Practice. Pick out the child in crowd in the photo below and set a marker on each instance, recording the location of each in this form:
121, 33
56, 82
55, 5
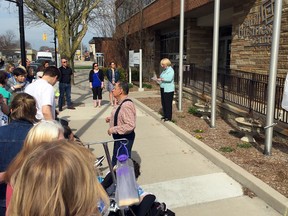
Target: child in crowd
6, 94
17, 83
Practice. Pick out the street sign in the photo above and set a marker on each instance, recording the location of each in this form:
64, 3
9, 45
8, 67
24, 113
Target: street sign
131, 58
136, 58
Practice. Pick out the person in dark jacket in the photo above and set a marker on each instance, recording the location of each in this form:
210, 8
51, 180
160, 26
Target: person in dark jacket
65, 85
113, 77
96, 81
23, 111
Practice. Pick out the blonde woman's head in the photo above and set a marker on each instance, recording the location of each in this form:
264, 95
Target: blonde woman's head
44, 131
165, 62
57, 178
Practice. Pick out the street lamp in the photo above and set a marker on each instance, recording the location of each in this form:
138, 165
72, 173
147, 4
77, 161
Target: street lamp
19, 3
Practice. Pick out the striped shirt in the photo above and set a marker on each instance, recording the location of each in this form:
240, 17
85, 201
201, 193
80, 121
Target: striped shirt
126, 122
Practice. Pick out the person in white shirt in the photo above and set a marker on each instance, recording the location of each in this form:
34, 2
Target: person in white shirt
43, 92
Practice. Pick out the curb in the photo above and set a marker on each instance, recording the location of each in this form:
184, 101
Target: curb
260, 188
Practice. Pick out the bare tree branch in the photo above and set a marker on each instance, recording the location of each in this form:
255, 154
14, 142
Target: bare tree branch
71, 17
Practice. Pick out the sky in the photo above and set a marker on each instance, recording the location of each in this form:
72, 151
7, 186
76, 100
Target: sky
9, 20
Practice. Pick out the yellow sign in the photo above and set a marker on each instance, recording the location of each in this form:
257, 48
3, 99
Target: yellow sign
44, 36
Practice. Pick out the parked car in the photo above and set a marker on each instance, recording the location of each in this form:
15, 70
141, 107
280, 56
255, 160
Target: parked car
35, 66
41, 60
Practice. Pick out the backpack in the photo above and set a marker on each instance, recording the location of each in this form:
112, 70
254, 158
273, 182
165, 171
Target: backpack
159, 209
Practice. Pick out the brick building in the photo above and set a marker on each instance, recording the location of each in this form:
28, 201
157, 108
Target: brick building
244, 39
105, 45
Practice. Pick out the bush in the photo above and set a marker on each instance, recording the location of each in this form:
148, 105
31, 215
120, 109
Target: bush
148, 86
244, 145
226, 149
198, 131
193, 111
130, 85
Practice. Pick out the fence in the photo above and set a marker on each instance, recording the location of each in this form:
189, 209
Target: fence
249, 90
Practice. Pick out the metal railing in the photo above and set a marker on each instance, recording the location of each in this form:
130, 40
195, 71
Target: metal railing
245, 89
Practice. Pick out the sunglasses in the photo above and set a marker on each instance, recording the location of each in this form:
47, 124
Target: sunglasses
95, 65
64, 62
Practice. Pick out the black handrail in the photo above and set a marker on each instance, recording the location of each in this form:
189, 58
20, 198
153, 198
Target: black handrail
245, 89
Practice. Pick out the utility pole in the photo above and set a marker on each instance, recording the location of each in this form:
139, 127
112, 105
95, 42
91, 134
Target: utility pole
22, 33
181, 42
55, 37
19, 3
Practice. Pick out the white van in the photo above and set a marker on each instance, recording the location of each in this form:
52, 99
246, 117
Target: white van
44, 55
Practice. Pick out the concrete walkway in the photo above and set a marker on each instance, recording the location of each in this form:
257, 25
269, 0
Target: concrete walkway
180, 176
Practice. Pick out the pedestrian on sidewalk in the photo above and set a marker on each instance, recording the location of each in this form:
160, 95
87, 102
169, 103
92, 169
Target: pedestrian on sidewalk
96, 82
42, 90
167, 88
113, 77
65, 85
122, 121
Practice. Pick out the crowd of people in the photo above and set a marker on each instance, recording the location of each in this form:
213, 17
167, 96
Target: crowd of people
43, 169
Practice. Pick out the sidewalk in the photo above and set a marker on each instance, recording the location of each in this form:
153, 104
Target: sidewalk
180, 176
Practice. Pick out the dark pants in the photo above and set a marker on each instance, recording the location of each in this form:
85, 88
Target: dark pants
117, 144
2, 206
65, 89
2, 211
166, 102
97, 93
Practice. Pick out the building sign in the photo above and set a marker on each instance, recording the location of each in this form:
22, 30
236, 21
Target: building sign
258, 27
134, 58
131, 59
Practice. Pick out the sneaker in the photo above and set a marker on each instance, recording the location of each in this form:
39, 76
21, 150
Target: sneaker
98, 161
71, 107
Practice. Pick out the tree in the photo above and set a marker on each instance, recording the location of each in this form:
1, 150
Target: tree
126, 32
70, 19
7, 41
45, 48
104, 23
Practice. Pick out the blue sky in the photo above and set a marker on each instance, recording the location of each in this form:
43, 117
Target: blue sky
9, 21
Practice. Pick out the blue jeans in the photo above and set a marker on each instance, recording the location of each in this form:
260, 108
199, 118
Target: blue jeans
64, 88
